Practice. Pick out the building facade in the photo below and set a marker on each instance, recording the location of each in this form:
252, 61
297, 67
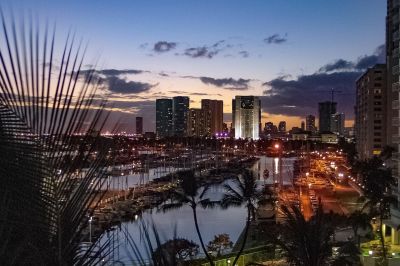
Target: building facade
139, 125
164, 118
370, 121
326, 110
282, 126
337, 124
247, 115
310, 123
180, 112
199, 122
393, 111
215, 110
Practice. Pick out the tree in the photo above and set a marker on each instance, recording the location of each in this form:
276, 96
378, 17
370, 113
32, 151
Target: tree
189, 193
175, 251
44, 101
220, 243
305, 242
377, 181
243, 191
359, 220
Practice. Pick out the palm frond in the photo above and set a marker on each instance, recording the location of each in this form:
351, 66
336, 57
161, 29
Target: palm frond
41, 110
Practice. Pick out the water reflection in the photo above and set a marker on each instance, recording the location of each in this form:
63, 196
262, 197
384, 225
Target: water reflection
211, 221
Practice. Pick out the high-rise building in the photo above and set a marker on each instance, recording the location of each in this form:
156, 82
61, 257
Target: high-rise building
139, 125
310, 123
370, 121
164, 118
337, 123
233, 114
326, 110
268, 127
303, 126
393, 114
180, 111
215, 109
282, 127
247, 117
199, 122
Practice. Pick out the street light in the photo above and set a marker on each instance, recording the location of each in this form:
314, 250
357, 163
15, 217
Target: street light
90, 228
276, 146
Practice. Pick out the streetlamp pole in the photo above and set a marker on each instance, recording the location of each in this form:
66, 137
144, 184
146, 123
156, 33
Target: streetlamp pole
90, 228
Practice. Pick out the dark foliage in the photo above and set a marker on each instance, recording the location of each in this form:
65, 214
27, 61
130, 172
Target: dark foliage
48, 182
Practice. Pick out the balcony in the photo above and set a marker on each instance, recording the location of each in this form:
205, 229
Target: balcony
395, 19
396, 140
395, 121
395, 104
395, 70
395, 86
396, 35
394, 211
396, 52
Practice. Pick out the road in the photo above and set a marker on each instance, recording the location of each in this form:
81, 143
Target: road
306, 203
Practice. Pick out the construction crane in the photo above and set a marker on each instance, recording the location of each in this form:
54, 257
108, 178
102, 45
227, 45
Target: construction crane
332, 91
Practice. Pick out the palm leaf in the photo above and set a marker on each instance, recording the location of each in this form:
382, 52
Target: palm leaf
45, 204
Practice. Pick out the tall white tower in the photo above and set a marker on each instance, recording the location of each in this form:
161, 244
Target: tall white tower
247, 117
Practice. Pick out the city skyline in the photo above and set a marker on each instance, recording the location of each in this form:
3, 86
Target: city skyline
263, 53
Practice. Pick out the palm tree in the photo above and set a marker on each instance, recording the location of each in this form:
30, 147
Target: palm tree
44, 205
305, 242
190, 193
377, 181
243, 191
359, 220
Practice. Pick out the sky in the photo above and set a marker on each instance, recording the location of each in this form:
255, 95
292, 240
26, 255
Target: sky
290, 53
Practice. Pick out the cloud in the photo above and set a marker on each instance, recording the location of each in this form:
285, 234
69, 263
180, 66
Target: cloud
361, 64
164, 46
112, 72
244, 54
366, 61
276, 39
339, 64
197, 52
193, 93
207, 51
300, 96
118, 85
227, 83
143, 45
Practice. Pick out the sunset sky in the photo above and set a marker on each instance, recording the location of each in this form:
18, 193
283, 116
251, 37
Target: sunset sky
290, 53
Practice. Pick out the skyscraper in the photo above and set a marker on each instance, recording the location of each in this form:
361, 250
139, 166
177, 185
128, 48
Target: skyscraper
139, 125
393, 114
233, 114
215, 109
199, 122
282, 127
164, 118
247, 117
370, 121
337, 123
310, 123
326, 110
303, 125
180, 111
